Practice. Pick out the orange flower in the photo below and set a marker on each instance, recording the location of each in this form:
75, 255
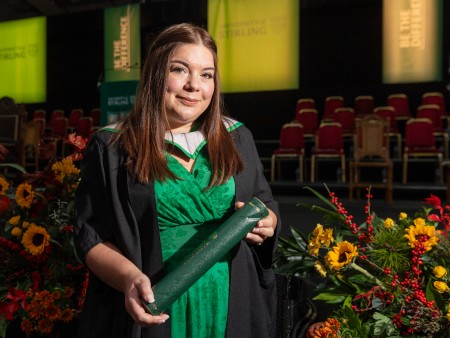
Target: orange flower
66, 315
45, 326
26, 326
52, 312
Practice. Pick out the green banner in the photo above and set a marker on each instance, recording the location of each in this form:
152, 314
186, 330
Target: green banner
258, 43
23, 60
122, 43
412, 41
117, 99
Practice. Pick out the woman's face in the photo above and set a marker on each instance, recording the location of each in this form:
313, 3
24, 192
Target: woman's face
190, 85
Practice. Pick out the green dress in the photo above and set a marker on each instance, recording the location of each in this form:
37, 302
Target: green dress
187, 214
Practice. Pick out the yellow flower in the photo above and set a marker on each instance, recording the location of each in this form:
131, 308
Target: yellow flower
64, 168
35, 239
439, 271
402, 216
420, 229
448, 316
441, 286
4, 185
25, 224
320, 269
319, 238
14, 220
16, 232
341, 255
24, 195
389, 223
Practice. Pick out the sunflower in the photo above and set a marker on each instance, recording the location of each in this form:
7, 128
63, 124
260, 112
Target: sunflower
64, 168
24, 195
35, 239
4, 185
319, 238
341, 255
419, 229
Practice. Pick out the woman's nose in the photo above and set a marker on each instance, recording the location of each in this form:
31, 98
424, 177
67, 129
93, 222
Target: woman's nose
193, 83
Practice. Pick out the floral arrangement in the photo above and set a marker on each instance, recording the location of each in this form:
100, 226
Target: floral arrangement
387, 277
42, 282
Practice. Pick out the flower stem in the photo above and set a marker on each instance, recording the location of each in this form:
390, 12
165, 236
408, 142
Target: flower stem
368, 274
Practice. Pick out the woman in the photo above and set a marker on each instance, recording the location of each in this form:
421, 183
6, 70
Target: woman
155, 185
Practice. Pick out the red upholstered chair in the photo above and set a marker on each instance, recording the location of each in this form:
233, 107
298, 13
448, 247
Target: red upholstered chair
308, 103
329, 143
434, 113
346, 117
420, 142
55, 114
331, 103
74, 116
309, 119
436, 98
95, 115
84, 127
58, 132
291, 147
364, 105
388, 113
400, 103
39, 113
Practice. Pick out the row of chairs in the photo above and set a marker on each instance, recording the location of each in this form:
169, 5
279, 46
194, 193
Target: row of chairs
309, 119
76, 120
365, 104
44, 139
420, 141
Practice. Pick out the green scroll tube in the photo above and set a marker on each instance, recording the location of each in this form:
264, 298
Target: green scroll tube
226, 236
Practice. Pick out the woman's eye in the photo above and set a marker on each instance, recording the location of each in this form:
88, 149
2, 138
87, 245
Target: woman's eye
178, 70
208, 75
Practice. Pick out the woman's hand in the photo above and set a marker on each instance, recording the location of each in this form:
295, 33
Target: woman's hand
264, 228
138, 286
109, 264
311, 330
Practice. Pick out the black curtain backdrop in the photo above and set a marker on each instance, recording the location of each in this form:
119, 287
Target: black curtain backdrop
340, 54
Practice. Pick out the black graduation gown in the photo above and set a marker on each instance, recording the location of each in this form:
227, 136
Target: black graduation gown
112, 207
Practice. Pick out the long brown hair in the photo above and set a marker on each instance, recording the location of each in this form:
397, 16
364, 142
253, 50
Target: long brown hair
143, 130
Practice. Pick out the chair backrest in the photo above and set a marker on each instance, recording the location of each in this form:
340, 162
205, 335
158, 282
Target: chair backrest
32, 135
95, 115
419, 133
291, 136
432, 112
309, 119
74, 115
388, 113
400, 103
9, 129
364, 105
305, 103
371, 140
39, 113
42, 123
329, 136
60, 126
56, 113
84, 127
435, 98
346, 117
331, 103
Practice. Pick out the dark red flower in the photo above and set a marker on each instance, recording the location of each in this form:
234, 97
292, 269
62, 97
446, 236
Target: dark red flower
5, 204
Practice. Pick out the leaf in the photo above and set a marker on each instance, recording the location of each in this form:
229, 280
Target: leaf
332, 297
321, 197
14, 166
381, 323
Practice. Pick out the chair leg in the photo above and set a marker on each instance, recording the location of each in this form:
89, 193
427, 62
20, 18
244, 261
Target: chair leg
389, 187
343, 176
301, 168
313, 168
351, 182
405, 169
272, 168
